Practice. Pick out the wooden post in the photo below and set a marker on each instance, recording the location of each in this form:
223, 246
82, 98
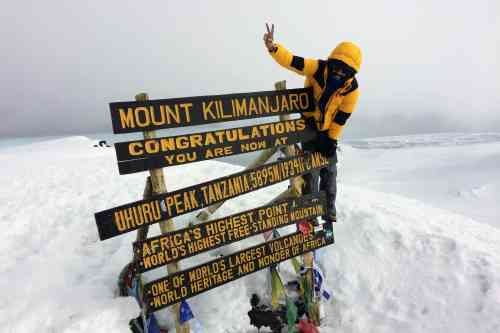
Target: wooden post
142, 233
296, 186
281, 85
263, 157
158, 186
296, 183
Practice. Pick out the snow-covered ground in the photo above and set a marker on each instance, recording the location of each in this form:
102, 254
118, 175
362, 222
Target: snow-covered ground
417, 246
458, 172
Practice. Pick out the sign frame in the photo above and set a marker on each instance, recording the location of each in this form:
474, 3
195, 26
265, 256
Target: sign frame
146, 115
157, 251
176, 280
134, 215
142, 155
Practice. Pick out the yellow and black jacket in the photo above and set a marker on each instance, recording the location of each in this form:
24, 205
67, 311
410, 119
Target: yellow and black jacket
339, 104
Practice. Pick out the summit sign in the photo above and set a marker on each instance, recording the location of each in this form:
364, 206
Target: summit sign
142, 155
138, 116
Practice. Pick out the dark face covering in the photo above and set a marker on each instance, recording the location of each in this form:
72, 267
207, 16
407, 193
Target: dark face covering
338, 74
339, 71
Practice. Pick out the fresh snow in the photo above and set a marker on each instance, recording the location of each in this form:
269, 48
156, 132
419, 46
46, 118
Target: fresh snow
416, 247
433, 140
439, 169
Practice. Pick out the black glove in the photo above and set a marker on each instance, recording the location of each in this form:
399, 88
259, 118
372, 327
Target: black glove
325, 145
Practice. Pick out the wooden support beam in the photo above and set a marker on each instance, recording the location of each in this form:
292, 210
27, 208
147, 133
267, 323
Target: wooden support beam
158, 186
263, 157
295, 189
142, 233
296, 183
281, 85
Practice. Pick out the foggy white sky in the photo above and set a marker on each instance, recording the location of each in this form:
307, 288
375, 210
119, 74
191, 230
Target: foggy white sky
428, 65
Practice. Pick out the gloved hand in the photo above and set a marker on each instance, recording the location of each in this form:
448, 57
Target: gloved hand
269, 39
325, 145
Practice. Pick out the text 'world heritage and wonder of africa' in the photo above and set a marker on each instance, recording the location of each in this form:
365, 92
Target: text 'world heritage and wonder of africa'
182, 285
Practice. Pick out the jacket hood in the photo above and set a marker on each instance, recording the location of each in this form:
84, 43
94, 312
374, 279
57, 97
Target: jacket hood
348, 53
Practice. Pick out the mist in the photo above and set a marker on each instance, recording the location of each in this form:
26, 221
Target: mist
429, 66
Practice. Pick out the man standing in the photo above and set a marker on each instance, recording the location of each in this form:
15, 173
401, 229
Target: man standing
336, 92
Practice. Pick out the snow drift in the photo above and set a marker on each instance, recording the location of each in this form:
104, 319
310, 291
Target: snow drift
400, 262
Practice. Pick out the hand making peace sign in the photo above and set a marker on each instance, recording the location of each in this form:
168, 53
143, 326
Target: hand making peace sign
269, 38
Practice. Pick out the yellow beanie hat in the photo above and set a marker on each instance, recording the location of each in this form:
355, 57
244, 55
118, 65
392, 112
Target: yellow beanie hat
349, 53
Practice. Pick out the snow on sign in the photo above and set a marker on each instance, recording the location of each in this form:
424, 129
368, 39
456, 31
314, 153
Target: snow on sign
115, 221
173, 288
164, 249
142, 155
138, 116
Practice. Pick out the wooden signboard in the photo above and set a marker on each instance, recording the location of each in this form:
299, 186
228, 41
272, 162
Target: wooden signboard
161, 250
138, 116
151, 153
142, 155
125, 218
174, 288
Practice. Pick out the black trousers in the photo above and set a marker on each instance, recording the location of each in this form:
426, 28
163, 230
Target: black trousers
324, 179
